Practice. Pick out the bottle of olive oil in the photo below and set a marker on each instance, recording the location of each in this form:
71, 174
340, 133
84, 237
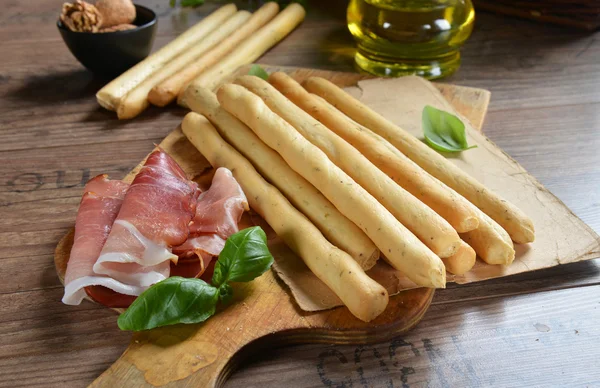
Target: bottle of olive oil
400, 37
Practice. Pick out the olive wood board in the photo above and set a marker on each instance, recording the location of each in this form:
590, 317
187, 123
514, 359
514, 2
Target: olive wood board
263, 313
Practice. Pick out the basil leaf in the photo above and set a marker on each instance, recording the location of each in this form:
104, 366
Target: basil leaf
191, 3
444, 131
181, 300
171, 301
259, 72
244, 257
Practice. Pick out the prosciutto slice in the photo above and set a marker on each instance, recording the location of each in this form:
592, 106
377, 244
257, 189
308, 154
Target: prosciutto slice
218, 212
98, 209
155, 216
130, 237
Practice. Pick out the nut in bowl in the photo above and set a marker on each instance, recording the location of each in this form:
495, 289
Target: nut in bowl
108, 37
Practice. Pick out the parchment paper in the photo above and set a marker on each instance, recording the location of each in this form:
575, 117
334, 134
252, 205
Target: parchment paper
561, 237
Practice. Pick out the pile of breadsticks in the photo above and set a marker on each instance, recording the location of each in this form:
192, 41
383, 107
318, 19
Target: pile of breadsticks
203, 55
341, 185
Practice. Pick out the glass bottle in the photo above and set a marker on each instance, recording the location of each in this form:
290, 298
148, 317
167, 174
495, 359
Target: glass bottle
400, 37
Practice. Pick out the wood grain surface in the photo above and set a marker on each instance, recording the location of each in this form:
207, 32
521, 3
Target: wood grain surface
534, 329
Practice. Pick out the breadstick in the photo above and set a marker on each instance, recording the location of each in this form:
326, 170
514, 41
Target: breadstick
490, 241
136, 101
305, 197
251, 49
401, 248
364, 297
443, 200
110, 95
167, 90
512, 219
429, 227
462, 261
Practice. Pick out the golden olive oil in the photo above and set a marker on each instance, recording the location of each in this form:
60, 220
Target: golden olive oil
400, 37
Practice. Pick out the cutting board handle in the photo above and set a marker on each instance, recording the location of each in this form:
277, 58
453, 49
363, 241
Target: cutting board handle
263, 315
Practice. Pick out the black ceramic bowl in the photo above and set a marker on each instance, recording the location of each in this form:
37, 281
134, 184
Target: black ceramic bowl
111, 53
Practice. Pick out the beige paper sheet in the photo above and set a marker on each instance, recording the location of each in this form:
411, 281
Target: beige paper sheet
561, 237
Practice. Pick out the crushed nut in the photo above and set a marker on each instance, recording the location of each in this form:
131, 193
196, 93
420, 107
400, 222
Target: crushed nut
81, 17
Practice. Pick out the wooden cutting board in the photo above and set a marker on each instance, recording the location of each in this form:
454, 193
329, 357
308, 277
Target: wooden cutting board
263, 313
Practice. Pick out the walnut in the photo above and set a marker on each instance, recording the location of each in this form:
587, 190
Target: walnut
120, 27
81, 17
116, 12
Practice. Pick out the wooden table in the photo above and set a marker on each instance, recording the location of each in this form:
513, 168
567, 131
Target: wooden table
535, 329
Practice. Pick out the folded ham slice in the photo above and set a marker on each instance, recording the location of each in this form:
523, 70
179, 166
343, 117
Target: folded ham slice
124, 235
155, 216
218, 212
98, 209
220, 207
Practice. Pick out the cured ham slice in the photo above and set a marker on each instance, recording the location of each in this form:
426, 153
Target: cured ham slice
211, 244
130, 237
155, 216
220, 207
98, 209
109, 297
217, 216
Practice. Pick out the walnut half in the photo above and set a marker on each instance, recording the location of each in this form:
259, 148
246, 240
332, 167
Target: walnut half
81, 17
116, 12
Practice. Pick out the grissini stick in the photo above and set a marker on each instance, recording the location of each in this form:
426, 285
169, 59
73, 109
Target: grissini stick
305, 197
512, 219
443, 200
110, 95
363, 296
168, 89
136, 101
462, 261
490, 241
251, 49
429, 227
401, 248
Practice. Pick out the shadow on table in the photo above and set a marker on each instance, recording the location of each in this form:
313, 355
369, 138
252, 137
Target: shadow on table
334, 9
556, 278
110, 121
337, 49
62, 86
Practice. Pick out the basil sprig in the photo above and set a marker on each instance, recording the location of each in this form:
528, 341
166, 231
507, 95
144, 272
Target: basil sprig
444, 131
258, 71
182, 300
186, 3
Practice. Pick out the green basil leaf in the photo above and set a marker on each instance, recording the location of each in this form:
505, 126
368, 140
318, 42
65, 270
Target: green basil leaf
259, 72
171, 301
191, 3
444, 131
244, 257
